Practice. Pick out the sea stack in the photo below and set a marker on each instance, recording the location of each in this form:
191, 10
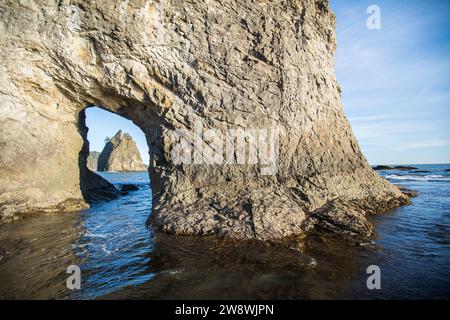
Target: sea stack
120, 154
176, 67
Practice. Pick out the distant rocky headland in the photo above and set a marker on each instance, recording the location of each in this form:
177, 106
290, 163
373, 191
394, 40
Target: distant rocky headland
402, 168
92, 160
171, 67
120, 154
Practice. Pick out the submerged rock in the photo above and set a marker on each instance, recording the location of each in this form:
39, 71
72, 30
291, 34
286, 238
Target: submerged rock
120, 154
405, 168
340, 218
129, 187
263, 71
409, 192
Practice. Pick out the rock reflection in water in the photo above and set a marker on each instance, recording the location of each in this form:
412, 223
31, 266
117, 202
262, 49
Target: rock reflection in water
204, 268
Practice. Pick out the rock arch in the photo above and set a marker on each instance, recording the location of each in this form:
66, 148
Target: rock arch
167, 66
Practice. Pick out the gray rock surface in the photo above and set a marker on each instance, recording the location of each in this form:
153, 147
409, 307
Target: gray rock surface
120, 154
169, 65
92, 160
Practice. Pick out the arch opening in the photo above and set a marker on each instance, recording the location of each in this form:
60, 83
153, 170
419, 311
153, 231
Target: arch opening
111, 143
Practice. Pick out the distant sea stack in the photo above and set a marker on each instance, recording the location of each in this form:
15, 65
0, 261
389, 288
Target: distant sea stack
92, 160
120, 154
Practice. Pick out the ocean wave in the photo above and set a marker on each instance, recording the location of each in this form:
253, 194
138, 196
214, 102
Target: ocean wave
95, 235
431, 177
173, 271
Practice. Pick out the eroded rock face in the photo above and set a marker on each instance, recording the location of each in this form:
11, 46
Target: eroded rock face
171, 65
120, 154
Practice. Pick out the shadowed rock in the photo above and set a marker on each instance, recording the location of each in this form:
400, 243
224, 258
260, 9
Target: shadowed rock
129, 187
340, 218
409, 192
96, 189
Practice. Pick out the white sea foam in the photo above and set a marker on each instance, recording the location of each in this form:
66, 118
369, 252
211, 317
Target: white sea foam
173, 271
312, 263
431, 177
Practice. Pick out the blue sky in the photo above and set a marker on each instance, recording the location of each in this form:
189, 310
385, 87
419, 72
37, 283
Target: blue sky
395, 82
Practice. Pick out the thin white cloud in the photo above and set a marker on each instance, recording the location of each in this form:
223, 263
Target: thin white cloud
396, 82
374, 117
423, 144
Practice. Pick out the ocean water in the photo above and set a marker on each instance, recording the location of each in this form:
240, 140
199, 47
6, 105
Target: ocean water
121, 258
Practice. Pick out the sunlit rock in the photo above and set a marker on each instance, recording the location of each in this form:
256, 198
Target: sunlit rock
175, 66
120, 154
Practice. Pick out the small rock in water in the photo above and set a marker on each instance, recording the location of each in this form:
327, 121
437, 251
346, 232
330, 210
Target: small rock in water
129, 187
382, 167
405, 168
410, 193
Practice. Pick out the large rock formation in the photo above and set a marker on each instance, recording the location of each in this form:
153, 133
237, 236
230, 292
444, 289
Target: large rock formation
120, 154
171, 65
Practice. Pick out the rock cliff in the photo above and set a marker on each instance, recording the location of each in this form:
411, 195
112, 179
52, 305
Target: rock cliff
120, 154
172, 66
